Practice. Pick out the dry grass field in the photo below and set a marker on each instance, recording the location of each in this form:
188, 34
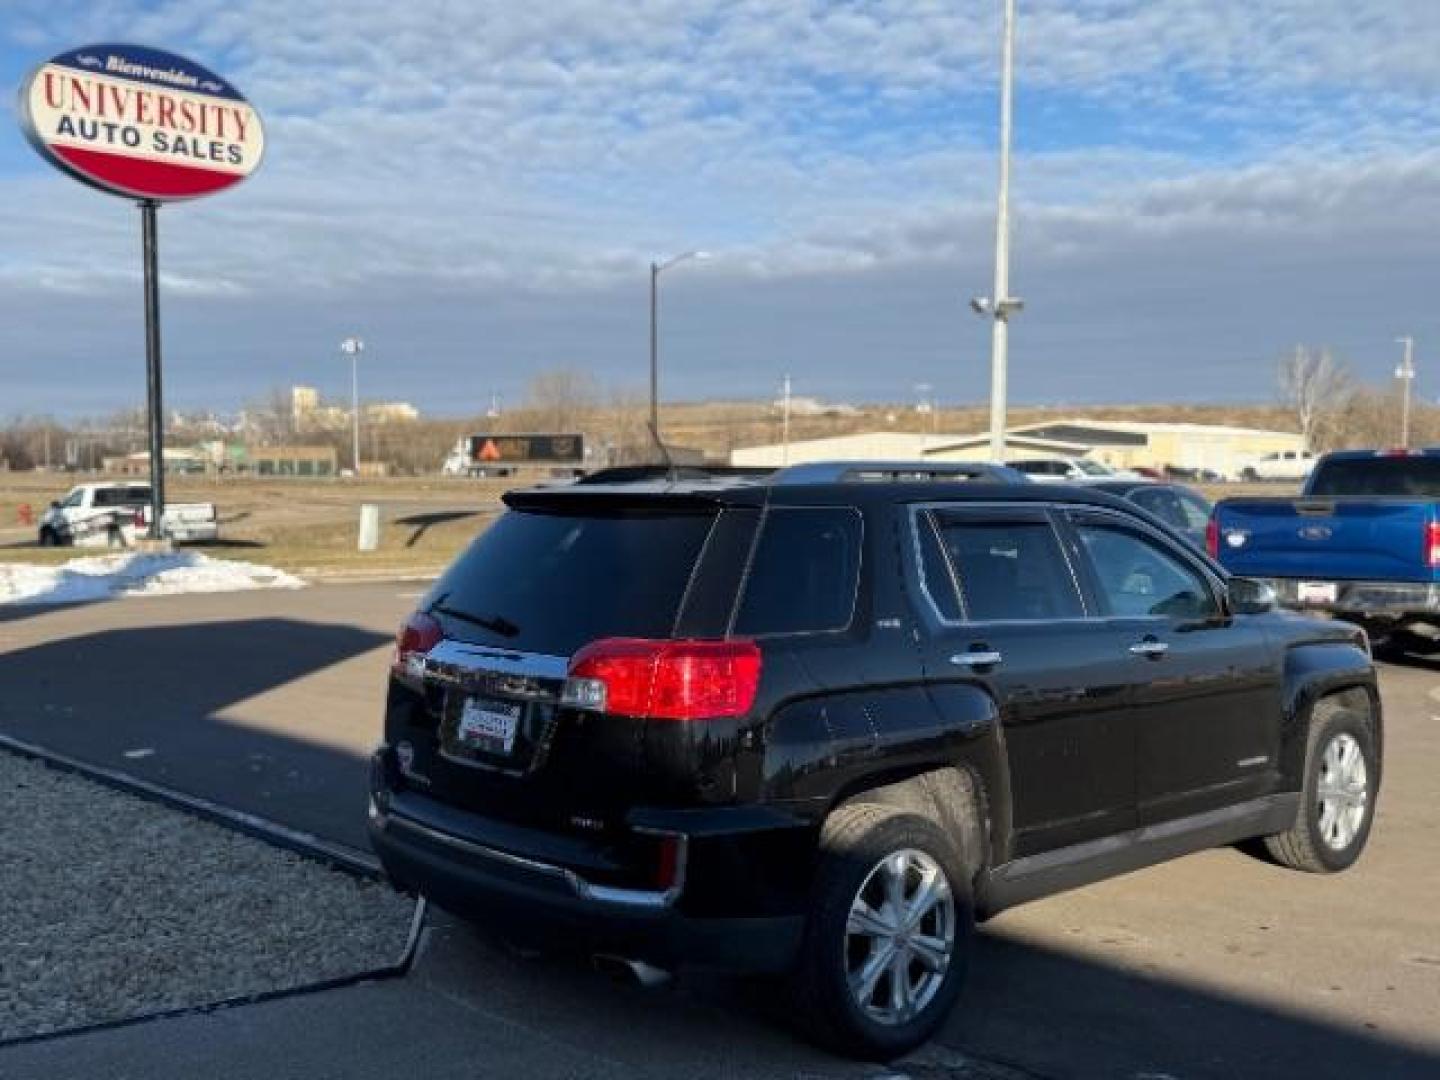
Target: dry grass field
303, 526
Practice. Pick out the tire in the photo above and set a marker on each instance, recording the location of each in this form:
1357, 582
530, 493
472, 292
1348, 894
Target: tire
1326, 840
48, 538
1250, 476
861, 845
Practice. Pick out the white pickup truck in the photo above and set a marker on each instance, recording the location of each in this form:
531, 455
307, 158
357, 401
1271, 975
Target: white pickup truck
115, 514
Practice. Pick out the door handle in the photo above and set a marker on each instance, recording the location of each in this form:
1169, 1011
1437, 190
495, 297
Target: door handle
979, 658
1150, 647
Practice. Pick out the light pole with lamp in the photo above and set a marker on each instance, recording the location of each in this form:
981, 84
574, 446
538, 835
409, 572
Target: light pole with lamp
1405, 372
354, 346
656, 269
1000, 305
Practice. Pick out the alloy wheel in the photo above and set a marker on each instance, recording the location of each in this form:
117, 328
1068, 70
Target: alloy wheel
900, 937
1342, 792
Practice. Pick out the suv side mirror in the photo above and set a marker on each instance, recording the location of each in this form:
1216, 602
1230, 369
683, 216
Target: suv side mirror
54, 504
1251, 597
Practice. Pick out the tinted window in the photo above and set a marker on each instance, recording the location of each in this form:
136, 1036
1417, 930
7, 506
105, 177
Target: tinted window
804, 574
1138, 577
1394, 477
1196, 510
935, 570
122, 496
553, 582
1162, 503
1011, 571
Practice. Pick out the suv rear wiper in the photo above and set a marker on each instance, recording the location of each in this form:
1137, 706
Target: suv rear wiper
497, 624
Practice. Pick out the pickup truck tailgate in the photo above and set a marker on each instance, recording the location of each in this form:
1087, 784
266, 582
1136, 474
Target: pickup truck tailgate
1345, 540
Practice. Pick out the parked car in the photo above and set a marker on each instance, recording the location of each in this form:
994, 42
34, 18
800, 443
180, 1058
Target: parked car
1067, 468
1195, 474
113, 514
1361, 542
818, 723
1294, 465
1185, 510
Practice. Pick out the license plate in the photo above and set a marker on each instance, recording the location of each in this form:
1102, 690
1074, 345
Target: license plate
1316, 592
487, 726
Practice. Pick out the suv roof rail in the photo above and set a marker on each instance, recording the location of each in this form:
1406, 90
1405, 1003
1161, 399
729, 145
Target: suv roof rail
833, 472
634, 474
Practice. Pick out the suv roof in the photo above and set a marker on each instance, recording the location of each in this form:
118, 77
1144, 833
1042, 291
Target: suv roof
848, 481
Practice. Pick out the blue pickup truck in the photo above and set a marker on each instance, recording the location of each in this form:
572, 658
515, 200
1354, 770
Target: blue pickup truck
1362, 543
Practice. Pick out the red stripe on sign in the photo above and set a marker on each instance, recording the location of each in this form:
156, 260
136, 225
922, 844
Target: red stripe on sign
136, 176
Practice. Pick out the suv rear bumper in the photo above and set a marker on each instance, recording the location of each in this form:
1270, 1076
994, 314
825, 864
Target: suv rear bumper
521, 891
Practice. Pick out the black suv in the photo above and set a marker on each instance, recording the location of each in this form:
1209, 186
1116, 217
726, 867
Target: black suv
818, 723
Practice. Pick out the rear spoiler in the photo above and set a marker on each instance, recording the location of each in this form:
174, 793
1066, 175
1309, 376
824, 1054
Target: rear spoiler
622, 498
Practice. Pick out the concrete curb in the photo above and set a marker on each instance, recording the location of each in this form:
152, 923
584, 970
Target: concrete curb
336, 856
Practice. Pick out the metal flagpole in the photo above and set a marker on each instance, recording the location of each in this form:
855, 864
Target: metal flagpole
153, 389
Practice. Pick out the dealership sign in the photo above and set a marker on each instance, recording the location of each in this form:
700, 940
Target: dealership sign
141, 122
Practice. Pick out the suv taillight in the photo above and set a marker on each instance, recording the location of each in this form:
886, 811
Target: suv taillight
1212, 536
1432, 543
664, 680
417, 636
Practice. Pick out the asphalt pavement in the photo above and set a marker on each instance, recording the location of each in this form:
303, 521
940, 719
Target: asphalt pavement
1214, 965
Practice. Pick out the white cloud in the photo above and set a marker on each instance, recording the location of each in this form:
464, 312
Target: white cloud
451, 148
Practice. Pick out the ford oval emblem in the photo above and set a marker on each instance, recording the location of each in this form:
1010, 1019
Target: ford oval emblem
1316, 532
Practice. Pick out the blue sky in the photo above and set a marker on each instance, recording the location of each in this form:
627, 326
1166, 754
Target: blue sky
476, 186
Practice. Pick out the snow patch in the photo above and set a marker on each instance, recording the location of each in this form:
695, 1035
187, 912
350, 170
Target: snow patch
108, 576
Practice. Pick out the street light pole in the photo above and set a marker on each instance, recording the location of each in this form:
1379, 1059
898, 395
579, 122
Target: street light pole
1406, 374
656, 269
354, 346
785, 424
655, 350
999, 344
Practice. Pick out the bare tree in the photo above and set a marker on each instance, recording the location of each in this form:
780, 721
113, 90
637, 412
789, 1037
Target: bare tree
561, 399
1316, 388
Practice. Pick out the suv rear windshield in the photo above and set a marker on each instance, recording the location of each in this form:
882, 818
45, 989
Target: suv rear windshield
552, 582
1379, 477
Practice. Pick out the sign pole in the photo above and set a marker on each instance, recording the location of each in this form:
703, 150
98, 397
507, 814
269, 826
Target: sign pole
153, 389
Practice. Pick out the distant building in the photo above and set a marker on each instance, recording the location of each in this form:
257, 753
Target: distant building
285, 461
1119, 444
304, 400
177, 461
389, 412
863, 446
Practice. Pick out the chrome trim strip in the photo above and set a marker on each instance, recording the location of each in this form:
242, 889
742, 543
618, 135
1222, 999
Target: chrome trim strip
478, 658
976, 659
603, 894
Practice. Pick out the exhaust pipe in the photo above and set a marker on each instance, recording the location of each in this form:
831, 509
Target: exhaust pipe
636, 972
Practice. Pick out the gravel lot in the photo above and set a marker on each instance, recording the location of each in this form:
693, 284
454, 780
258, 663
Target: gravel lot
111, 906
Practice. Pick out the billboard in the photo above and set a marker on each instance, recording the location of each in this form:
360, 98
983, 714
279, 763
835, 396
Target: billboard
527, 449
140, 122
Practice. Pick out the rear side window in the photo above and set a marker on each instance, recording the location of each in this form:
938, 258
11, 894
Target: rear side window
1378, 477
552, 582
804, 575
1011, 570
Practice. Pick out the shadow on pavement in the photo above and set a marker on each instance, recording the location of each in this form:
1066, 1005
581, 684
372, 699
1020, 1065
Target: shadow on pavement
146, 701
1068, 1015
12, 612
424, 522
